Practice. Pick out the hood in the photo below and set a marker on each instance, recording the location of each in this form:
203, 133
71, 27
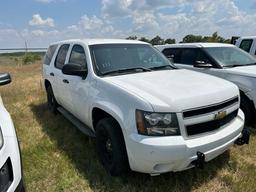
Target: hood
176, 90
243, 70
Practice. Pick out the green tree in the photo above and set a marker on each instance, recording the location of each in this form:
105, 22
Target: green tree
169, 41
132, 37
144, 39
192, 39
157, 41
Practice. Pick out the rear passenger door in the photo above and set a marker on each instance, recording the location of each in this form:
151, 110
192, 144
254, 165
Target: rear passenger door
60, 91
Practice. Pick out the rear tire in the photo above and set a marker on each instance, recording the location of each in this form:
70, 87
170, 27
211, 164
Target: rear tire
111, 147
52, 103
247, 109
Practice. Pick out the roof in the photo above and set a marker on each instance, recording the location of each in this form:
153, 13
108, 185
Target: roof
100, 41
248, 37
193, 45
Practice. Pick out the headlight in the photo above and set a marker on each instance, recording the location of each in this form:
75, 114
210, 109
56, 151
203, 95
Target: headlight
1, 139
157, 124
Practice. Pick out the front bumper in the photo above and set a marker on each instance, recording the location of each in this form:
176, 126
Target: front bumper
10, 165
157, 155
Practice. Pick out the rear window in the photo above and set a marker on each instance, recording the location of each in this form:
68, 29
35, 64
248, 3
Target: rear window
246, 45
49, 54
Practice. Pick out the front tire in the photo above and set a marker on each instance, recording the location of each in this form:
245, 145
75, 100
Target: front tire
52, 103
247, 109
111, 147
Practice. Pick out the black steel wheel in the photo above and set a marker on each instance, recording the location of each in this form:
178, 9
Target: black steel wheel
111, 147
52, 103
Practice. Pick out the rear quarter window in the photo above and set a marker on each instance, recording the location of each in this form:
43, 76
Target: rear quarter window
49, 54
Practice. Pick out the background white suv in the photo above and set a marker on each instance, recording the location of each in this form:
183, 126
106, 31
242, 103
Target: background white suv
10, 161
222, 60
145, 113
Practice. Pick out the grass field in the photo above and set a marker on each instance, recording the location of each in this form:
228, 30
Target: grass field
57, 157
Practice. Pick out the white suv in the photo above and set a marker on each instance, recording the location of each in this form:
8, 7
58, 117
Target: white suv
10, 161
222, 60
146, 114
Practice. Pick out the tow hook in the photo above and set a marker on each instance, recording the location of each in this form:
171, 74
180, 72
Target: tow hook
199, 162
244, 139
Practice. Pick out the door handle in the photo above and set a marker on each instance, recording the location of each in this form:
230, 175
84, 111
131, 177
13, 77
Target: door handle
65, 81
52, 74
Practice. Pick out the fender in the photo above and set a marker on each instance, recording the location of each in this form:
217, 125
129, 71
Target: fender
112, 110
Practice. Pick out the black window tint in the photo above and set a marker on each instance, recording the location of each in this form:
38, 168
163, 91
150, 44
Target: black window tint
172, 53
49, 54
191, 56
246, 45
188, 56
60, 59
77, 56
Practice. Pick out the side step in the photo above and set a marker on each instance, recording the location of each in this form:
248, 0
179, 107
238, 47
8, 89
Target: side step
81, 126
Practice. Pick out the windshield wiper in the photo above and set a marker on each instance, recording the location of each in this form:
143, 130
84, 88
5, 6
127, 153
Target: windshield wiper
126, 70
161, 67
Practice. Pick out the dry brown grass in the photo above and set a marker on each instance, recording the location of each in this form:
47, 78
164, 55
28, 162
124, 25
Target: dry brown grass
57, 157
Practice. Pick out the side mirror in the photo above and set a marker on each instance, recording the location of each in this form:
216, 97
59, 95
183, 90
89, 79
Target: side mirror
74, 69
5, 78
202, 64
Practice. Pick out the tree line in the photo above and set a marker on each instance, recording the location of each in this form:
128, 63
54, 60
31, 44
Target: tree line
157, 40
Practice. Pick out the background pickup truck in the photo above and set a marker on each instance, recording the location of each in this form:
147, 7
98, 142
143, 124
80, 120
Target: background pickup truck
222, 60
248, 44
146, 114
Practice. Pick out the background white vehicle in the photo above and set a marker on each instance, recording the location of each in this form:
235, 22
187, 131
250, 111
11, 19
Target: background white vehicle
222, 60
145, 113
10, 162
248, 44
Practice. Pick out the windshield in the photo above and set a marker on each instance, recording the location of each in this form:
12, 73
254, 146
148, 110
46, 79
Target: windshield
127, 58
230, 56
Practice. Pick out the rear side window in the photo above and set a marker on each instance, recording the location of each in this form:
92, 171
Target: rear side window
78, 56
191, 56
60, 59
172, 53
49, 54
246, 45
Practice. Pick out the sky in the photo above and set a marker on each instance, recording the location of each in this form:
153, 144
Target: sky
41, 22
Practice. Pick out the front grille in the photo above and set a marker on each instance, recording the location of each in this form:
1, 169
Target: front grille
210, 125
6, 176
209, 109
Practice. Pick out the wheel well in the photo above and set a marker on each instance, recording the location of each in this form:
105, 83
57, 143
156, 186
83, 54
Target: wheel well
242, 95
47, 84
98, 114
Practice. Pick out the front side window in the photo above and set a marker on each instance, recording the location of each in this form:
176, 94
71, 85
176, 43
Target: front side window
78, 56
120, 57
61, 57
230, 56
173, 53
246, 45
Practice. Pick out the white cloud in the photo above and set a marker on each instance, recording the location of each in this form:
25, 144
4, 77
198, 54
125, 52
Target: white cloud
49, 1
147, 18
38, 21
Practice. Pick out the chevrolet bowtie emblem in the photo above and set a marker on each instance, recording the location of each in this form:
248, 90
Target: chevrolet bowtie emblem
220, 115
